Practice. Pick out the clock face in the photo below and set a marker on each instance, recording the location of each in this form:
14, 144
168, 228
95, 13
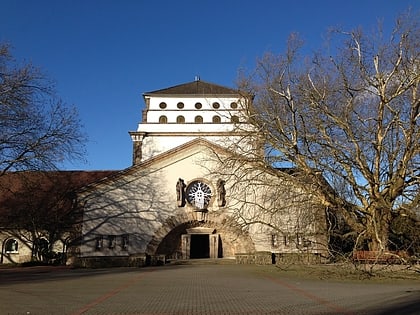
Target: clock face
198, 194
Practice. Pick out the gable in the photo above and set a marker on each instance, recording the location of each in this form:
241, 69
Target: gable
194, 149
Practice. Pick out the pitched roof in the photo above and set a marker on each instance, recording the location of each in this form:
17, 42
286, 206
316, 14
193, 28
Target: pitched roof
197, 87
40, 185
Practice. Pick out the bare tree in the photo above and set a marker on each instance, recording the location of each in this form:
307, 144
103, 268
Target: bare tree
351, 111
37, 131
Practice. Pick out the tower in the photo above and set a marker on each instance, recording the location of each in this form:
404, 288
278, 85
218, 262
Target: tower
176, 115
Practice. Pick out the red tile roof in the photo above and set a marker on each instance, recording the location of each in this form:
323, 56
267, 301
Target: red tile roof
34, 188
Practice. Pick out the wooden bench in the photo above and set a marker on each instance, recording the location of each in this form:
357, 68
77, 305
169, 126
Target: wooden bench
377, 257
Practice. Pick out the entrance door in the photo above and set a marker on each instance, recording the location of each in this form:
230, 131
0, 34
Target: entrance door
200, 246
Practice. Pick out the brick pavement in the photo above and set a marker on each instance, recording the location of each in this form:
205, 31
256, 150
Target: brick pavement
195, 290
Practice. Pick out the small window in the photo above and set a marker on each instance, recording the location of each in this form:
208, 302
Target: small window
99, 242
11, 246
198, 105
299, 239
162, 105
163, 120
124, 241
180, 105
198, 120
180, 120
286, 240
234, 119
216, 105
233, 105
217, 119
111, 241
274, 240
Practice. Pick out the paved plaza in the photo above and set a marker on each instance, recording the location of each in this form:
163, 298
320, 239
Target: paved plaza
196, 289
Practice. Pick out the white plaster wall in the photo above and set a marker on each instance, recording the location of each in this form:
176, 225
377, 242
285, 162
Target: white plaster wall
138, 203
154, 145
142, 199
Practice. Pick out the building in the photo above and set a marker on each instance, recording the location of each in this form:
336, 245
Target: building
38, 220
185, 197
175, 202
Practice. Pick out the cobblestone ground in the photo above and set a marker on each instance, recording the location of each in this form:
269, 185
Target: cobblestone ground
195, 290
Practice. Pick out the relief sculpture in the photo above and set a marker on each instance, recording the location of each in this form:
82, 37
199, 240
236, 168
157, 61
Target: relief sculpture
180, 192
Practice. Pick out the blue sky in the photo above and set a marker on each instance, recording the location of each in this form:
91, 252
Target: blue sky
104, 54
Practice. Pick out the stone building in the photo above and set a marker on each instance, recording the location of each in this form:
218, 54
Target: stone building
183, 198
175, 202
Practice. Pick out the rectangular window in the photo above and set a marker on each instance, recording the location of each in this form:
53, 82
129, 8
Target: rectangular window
111, 241
99, 242
298, 239
124, 242
274, 240
286, 240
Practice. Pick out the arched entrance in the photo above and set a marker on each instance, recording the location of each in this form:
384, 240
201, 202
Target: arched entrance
179, 238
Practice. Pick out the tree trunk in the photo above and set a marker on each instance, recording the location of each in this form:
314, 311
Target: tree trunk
377, 229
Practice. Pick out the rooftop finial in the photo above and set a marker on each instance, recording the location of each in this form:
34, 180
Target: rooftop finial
197, 78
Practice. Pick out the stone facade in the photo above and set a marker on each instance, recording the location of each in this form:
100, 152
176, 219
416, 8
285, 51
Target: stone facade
171, 204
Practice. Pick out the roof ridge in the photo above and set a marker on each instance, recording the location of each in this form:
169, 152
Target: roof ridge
194, 88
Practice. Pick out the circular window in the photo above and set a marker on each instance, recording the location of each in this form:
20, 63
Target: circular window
198, 194
180, 105
233, 105
198, 105
216, 105
234, 119
162, 105
198, 120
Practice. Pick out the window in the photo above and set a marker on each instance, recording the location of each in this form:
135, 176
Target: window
111, 241
286, 240
11, 246
198, 120
274, 240
180, 120
216, 105
163, 120
124, 242
198, 105
198, 194
162, 105
299, 239
99, 242
234, 119
180, 105
233, 105
217, 119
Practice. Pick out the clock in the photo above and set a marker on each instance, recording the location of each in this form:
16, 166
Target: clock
198, 194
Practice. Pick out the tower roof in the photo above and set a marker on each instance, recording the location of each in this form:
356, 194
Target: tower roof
196, 87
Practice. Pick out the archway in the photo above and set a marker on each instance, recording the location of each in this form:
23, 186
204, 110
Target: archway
173, 239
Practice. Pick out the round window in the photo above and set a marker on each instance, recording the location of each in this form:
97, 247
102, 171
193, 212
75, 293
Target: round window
198, 194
